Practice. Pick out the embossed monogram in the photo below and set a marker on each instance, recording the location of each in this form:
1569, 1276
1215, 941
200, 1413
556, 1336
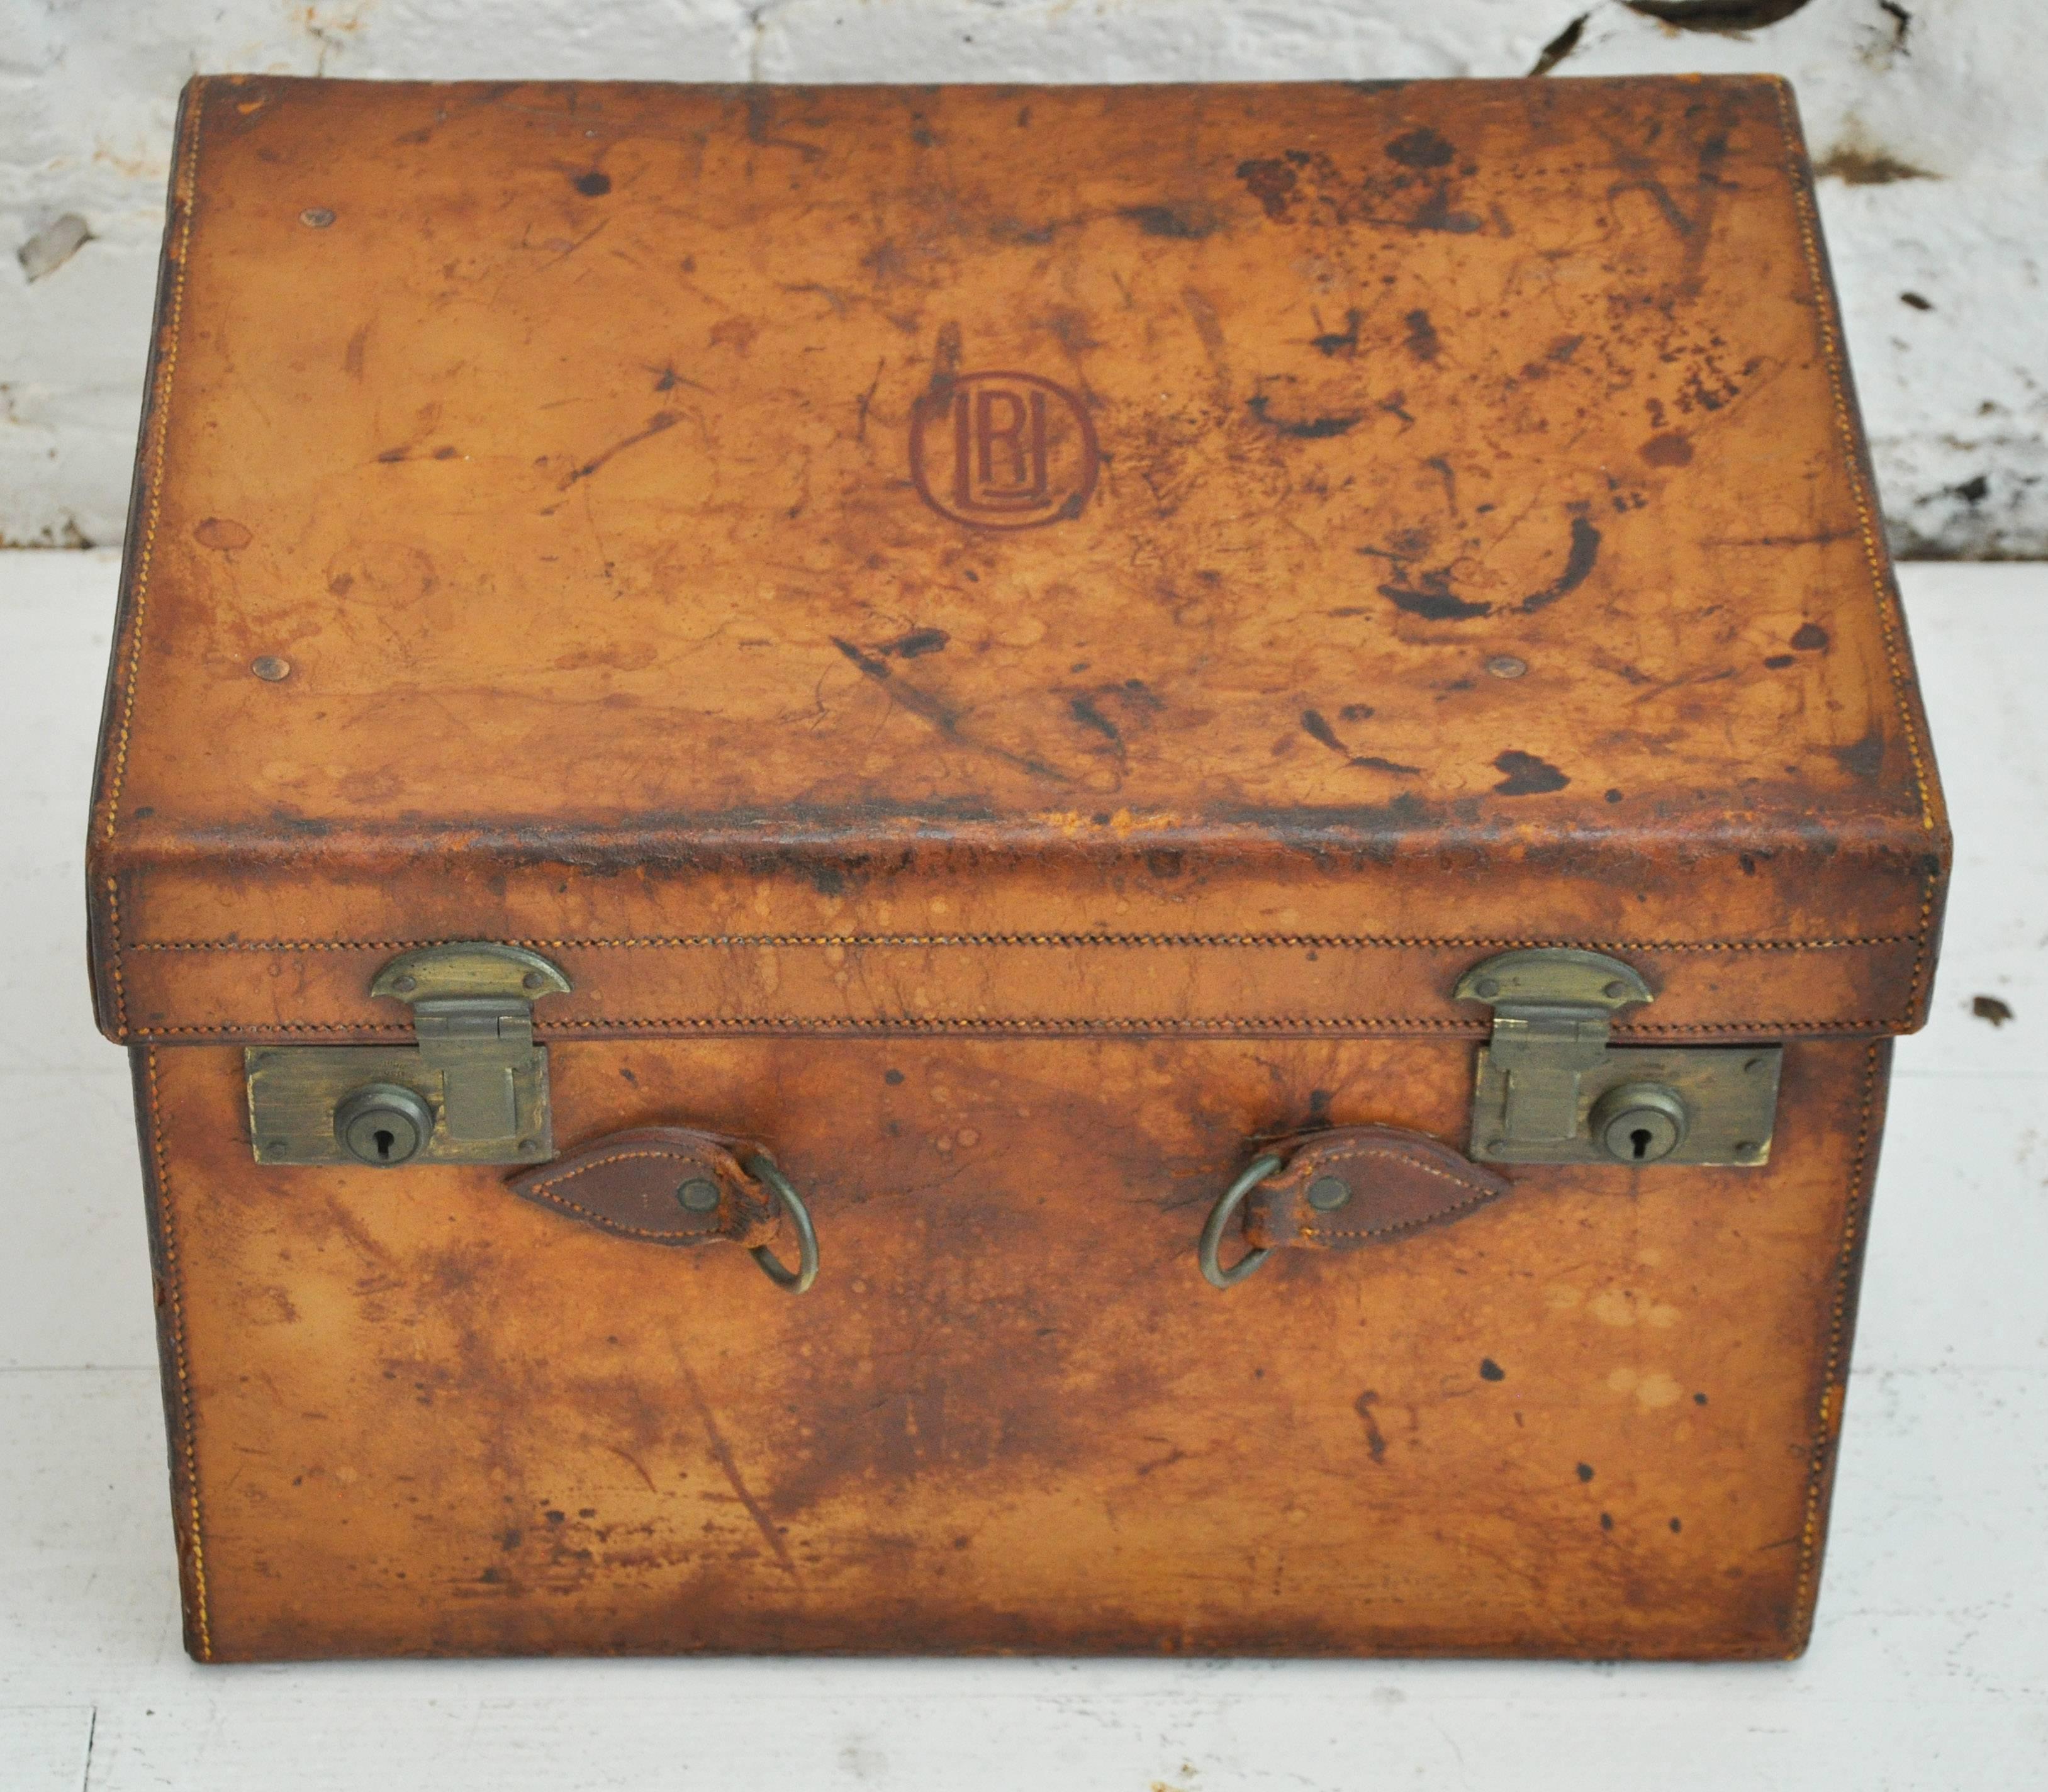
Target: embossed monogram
1004, 450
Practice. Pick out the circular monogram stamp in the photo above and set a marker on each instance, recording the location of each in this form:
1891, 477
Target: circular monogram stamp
1004, 450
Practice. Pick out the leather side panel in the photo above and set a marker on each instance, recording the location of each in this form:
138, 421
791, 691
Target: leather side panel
167, 1284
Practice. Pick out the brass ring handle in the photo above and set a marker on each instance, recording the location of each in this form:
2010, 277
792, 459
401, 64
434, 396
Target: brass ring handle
762, 1166
1227, 1204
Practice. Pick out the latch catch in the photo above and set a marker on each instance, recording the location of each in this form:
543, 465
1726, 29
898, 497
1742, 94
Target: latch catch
474, 1089
1552, 1088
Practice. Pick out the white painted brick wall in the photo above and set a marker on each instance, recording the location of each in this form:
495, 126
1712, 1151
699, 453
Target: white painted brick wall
1927, 118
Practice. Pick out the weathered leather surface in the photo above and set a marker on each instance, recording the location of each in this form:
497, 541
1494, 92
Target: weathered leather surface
570, 467
1394, 1182
631, 1183
412, 1413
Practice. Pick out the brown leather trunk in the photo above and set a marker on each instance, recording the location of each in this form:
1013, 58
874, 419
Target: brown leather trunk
1014, 646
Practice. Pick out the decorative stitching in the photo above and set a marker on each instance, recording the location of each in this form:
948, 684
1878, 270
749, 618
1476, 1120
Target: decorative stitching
802, 1024
1832, 357
1833, 1381
538, 1190
1481, 1192
611, 1225
1315, 941
1914, 989
547, 1030
1478, 1199
1645, 1029
615, 1157
1319, 1159
114, 920
175, 1294
160, 406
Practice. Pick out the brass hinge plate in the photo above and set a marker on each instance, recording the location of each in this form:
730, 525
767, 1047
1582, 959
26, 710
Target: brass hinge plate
1552, 1089
473, 1089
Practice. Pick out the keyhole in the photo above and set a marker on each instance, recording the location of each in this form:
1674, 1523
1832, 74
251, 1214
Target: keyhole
1639, 1138
386, 1139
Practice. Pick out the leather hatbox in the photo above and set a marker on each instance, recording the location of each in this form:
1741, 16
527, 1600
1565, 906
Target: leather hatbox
1025, 870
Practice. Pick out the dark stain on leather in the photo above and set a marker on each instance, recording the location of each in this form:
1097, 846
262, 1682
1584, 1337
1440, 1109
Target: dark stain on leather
1271, 181
1428, 595
1863, 759
1188, 219
1422, 148
1526, 775
915, 644
1579, 561
1308, 429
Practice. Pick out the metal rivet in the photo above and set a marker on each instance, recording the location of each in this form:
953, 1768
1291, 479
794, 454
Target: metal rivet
1614, 992
1757, 1066
528, 1146
276, 1145
270, 669
316, 217
1326, 1193
1507, 665
405, 985
1745, 1148
1496, 1145
1486, 989
698, 1195
533, 980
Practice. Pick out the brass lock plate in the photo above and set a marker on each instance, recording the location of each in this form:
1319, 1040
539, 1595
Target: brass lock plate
294, 1091
1551, 1088
473, 1089
1729, 1092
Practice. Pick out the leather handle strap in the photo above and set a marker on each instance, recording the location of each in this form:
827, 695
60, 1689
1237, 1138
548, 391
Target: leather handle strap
662, 1186
1352, 1186
1341, 1190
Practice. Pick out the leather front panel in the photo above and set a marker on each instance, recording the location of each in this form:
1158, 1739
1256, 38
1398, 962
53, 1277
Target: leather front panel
1594, 1418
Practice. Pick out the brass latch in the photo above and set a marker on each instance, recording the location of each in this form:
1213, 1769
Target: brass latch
1552, 1089
473, 1090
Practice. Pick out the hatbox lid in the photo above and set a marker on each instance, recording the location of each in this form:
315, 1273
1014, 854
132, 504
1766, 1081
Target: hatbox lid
1145, 558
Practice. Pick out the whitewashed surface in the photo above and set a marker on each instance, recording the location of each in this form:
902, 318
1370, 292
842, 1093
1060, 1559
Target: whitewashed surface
1930, 1668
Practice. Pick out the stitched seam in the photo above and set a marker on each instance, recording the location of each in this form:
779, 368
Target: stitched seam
113, 922
1397, 1156
1833, 1380
1178, 941
1479, 1200
599, 1163
1920, 964
161, 421
175, 1295
1831, 356
801, 1023
537, 1192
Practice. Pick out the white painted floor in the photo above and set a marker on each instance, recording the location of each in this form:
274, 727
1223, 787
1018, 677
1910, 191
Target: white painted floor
1929, 1667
